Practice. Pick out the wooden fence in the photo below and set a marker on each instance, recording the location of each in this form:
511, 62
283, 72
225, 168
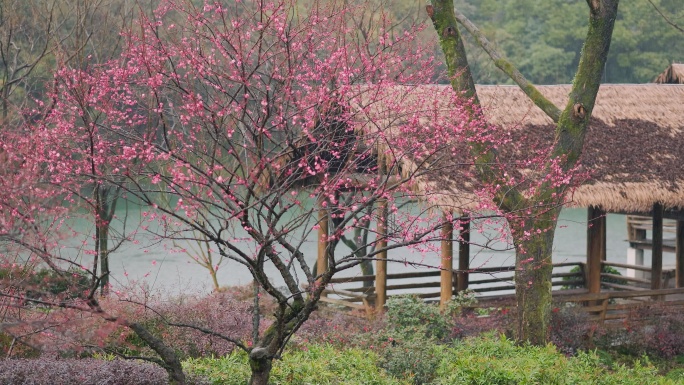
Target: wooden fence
618, 305
494, 288
494, 281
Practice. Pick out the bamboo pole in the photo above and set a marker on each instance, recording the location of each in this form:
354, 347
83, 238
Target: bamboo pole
463, 254
447, 274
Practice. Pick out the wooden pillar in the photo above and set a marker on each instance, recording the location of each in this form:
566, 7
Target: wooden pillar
447, 273
604, 230
381, 258
463, 255
322, 261
679, 254
596, 247
657, 250
635, 255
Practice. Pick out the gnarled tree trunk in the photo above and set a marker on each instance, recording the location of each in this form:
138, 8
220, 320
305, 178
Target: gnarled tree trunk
533, 240
261, 366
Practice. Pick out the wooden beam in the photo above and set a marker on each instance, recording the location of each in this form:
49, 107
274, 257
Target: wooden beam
596, 247
322, 261
603, 220
657, 250
679, 254
381, 258
463, 254
447, 274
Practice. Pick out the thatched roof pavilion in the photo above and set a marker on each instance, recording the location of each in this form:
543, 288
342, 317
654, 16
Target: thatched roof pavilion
674, 74
634, 152
634, 149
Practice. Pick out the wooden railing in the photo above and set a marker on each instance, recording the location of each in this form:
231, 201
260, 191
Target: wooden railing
636, 233
616, 305
633, 283
348, 291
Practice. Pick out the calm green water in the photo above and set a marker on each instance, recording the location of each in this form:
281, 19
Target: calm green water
157, 264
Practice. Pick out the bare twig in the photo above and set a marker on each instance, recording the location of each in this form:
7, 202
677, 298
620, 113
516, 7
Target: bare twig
506, 66
667, 19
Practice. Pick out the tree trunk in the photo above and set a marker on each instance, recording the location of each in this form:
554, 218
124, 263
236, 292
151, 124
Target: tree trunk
103, 250
533, 290
534, 244
533, 250
366, 269
261, 370
172, 363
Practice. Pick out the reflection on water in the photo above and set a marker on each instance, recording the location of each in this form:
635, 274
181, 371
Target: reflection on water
156, 263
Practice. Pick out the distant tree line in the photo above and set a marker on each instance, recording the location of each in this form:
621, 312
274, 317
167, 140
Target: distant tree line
544, 39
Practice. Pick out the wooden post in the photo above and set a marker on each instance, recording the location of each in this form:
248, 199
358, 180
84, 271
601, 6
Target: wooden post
635, 255
603, 233
463, 254
596, 247
322, 261
657, 250
679, 254
447, 274
381, 258
381, 243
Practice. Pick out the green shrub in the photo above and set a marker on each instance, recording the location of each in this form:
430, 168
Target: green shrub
676, 375
604, 269
499, 361
408, 314
317, 364
487, 360
39, 282
411, 357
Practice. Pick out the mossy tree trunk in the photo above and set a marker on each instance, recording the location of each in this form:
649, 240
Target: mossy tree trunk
261, 370
533, 239
104, 209
533, 235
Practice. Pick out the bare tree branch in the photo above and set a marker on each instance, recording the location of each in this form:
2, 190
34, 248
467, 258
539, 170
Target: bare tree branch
506, 66
667, 19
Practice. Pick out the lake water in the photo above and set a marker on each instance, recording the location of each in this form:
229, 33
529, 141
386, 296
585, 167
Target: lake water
155, 263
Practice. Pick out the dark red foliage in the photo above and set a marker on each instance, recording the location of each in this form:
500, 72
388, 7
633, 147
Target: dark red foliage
470, 325
80, 372
654, 330
337, 328
219, 312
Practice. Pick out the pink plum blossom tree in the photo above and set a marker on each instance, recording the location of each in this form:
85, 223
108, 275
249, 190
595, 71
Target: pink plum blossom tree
227, 121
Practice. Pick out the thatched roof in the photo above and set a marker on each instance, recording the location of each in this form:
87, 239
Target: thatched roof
634, 149
674, 74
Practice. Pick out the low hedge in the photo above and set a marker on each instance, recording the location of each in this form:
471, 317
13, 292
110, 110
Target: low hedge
495, 360
487, 360
312, 364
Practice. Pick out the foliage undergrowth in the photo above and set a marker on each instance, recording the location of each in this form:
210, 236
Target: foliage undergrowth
496, 360
487, 360
414, 344
315, 364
